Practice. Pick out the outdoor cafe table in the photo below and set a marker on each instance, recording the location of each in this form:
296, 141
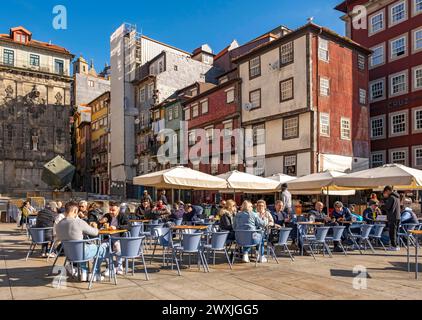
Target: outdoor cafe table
416, 234
181, 228
301, 231
140, 220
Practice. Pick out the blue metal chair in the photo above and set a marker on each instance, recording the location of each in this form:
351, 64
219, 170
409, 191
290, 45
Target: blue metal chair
164, 238
38, 237
319, 239
191, 243
131, 248
149, 231
178, 222
74, 251
376, 234
248, 239
29, 222
136, 229
337, 237
365, 230
283, 237
404, 232
218, 243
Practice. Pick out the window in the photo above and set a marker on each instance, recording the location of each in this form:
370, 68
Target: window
417, 120
142, 122
377, 56
398, 84
9, 57
157, 115
362, 96
228, 127
323, 50
417, 43
291, 128
377, 22
255, 67
194, 92
361, 62
58, 66
176, 112
150, 91
290, 165
417, 77
398, 13
142, 96
204, 107
377, 159
345, 130
324, 86
399, 156
234, 161
377, 127
398, 123
286, 90
170, 114
377, 89
174, 143
259, 166
214, 166
230, 95
417, 6
209, 132
195, 110
417, 151
223, 79
187, 114
90, 83
192, 137
258, 134
34, 60
324, 124
398, 47
286, 54
255, 98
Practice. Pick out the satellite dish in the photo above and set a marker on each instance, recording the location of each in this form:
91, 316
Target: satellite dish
247, 106
135, 161
137, 121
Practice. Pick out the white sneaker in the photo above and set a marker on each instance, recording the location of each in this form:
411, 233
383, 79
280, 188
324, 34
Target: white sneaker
245, 258
393, 249
120, 271
84, 276
107, 273
70, 270
262, 259
97, 278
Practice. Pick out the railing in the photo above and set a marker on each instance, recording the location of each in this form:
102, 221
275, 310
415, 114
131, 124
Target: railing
25, 64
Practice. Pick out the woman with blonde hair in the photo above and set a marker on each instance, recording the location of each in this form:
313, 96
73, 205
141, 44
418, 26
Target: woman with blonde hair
227, 218
247, 219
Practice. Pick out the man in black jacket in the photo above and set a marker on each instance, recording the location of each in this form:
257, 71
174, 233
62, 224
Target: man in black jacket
392, 207
45, 219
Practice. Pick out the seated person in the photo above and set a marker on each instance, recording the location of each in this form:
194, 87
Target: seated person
192, 213
372, 212
319, 215
247, 219
407, 215
160, 211
83, 210
73, 228
144, 209
114, 218
178, 211
45, 219
227, 215
94, 213
355, 216
279, 215
341, 213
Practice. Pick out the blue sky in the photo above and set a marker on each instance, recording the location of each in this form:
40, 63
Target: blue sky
185, 24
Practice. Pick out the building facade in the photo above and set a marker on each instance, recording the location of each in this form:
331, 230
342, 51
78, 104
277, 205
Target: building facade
296, 103
100, 165
83, 152
394, 34
35, 109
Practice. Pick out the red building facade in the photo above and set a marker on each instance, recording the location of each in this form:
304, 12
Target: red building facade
394, 33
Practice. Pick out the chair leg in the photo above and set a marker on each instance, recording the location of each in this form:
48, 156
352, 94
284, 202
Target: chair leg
145, 266
312, 252
93, 273
370, 245
51, 250
126, 266
55, 260
176, 261
342, 248
153, 252
272, 252
328, 249
382, 244
228, 259
30, 251
133, 267
286, 248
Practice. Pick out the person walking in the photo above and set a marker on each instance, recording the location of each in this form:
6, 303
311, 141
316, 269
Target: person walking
286, 198
392, 208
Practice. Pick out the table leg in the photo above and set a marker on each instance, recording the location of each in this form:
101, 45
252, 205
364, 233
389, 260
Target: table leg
408, 254
416, 256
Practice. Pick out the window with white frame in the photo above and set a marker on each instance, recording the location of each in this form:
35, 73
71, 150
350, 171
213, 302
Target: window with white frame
150, 91
204, 106
417, 78
255, 98
192, 137
345, 130
255, 67
377, 127
187, 113
377, 159
323, 53
170, 114
377, 89
361, 62
362, 96
291, 127
377, 56
228, 128
142, 122
324, 86
417, 40
290, 165
230, 95
259, 134
398, 156
195, 110
398, 12
398, 47
417, 6
90, 83
175, 112
286, 53
398, 123
324, 124
417, 152
209, 132
142, 96
377, 22
286, 90
417, 119
259, 166
398, 84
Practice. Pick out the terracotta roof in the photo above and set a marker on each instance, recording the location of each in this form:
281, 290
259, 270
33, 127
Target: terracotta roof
21, 28
211, 90
222, 53
342, 7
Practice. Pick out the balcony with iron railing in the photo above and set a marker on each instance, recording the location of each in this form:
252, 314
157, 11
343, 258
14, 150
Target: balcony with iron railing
25, 64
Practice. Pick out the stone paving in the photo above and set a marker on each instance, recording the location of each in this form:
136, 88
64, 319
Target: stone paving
325, 278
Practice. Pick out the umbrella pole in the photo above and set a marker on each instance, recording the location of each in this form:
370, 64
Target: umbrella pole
328, 199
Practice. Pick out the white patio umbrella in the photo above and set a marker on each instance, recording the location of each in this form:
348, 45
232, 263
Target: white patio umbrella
397, 175
246, 182
181, 178
281, 178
